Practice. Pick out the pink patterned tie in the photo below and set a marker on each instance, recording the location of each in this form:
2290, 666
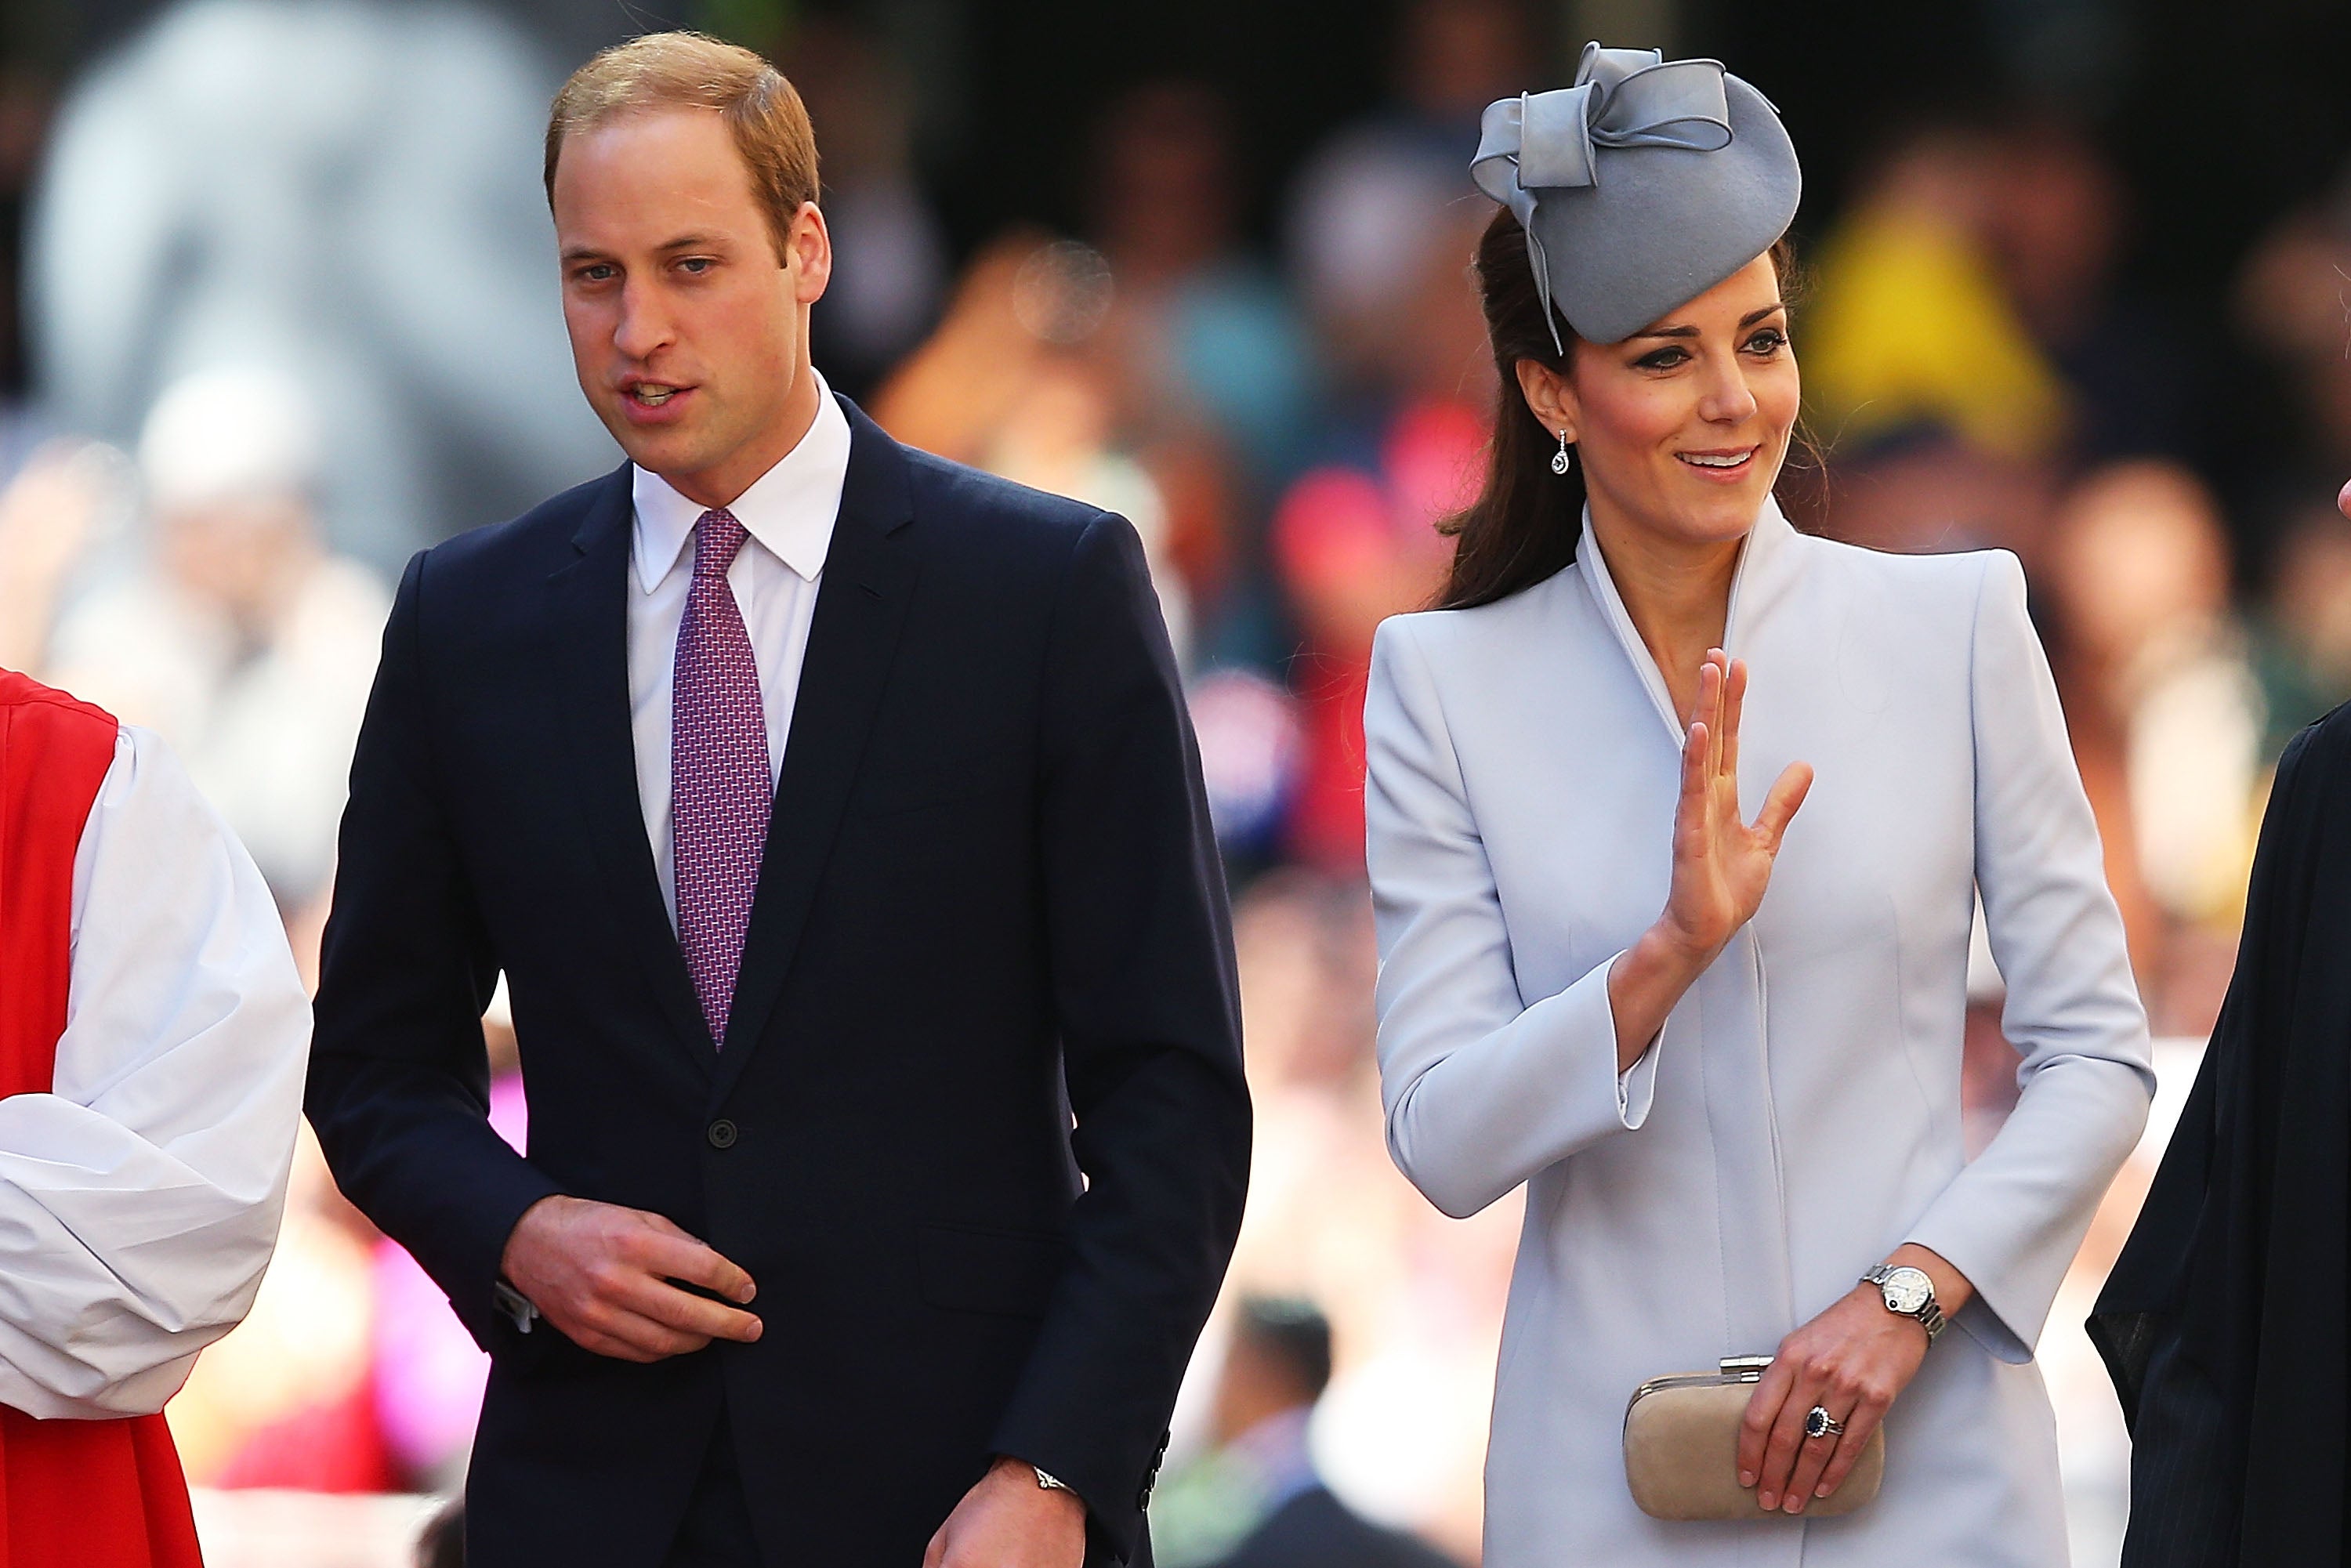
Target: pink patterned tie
720, 790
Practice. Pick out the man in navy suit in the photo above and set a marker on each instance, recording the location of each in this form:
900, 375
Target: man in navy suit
833, 813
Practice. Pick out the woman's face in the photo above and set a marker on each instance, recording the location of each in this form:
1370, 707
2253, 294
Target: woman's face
1682, 427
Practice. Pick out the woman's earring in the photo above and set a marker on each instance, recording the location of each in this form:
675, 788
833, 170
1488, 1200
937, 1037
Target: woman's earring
1563, 463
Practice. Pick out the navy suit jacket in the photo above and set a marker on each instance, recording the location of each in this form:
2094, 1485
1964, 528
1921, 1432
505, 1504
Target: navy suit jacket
978, 1127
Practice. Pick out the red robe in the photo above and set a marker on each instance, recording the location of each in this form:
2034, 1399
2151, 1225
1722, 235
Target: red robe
73, 1494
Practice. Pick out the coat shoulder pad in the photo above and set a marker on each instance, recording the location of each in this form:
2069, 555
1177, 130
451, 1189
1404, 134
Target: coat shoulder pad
1002, 513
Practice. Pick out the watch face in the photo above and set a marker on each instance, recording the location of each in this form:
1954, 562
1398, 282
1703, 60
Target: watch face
1908, 1289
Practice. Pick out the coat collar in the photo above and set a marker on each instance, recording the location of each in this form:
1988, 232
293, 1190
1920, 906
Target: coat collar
1763, 562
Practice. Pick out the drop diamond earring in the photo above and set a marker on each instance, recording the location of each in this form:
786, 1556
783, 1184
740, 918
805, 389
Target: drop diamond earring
1561, 463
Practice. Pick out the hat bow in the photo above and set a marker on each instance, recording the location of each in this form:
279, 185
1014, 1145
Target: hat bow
1621, 97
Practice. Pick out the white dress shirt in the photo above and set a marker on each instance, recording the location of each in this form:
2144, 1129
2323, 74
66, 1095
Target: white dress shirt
789, 513
139, 1199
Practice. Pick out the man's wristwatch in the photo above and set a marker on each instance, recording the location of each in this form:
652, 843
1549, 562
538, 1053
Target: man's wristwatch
1908, 1293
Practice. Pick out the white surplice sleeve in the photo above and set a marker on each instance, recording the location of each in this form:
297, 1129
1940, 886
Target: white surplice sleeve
139, 1200
2012, 1219
1482, 1088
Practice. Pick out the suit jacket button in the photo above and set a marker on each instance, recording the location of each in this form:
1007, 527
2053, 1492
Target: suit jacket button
722, 1133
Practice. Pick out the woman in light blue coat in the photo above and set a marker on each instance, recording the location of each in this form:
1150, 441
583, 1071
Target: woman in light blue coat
1724, 1056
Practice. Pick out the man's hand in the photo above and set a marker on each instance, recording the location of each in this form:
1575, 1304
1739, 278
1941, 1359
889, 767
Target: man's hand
602, 1274
1007, 1520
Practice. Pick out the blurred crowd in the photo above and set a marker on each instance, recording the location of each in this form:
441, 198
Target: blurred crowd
281, 339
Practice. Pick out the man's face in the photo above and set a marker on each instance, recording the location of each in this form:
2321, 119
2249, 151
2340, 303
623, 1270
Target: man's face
689, 333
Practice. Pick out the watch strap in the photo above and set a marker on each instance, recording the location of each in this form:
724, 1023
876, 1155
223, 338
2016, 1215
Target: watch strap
1929, 1316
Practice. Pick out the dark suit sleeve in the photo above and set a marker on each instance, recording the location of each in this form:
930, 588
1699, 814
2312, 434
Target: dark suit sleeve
399, 1089
1141, 948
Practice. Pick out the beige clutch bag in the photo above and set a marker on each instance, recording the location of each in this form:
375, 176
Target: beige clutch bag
1681, 1449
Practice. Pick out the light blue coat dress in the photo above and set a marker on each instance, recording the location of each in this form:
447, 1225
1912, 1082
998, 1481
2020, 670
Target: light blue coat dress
1798, 1117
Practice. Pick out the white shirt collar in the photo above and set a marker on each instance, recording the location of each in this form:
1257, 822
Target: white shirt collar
790, 508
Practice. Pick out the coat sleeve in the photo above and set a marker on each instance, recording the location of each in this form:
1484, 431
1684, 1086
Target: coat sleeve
139, 1199
1149, 1018
1482, 1088
2012, 1219
399, 1076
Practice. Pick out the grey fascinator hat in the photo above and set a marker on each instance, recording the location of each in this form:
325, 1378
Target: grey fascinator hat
1641, 187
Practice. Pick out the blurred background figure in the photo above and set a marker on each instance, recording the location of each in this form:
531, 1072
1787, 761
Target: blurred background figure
1257, 1501
68, 498
1353, 545
1921, 377
2305, 646
2055, 231
1057, 435
2167, 716
235, 632
890, 250
1209, 365
1202, 328
1414, 1298
1911, 324
1367, 215
349, 191
1354, 538
1014, 380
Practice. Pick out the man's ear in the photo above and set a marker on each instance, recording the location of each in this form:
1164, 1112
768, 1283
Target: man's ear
808, 248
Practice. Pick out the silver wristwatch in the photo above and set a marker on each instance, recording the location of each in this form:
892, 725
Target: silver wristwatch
1908, 1293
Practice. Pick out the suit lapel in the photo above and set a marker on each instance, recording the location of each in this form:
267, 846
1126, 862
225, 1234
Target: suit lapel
861, 606
591, 672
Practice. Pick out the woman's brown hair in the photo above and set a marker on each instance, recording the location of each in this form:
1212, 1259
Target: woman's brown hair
1525, 522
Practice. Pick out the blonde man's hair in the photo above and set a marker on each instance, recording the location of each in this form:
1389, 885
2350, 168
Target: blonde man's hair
688, 70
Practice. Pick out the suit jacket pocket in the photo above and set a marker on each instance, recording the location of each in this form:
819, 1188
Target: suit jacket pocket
935, 783
980, 1268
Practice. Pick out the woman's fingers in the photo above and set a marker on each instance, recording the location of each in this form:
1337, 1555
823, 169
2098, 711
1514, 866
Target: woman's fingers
1788, 792
1703, 713
1782, 1451
1755, 1427
1689, 810
1715, 678
1734, 703
1812, 1456
1857, 1428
